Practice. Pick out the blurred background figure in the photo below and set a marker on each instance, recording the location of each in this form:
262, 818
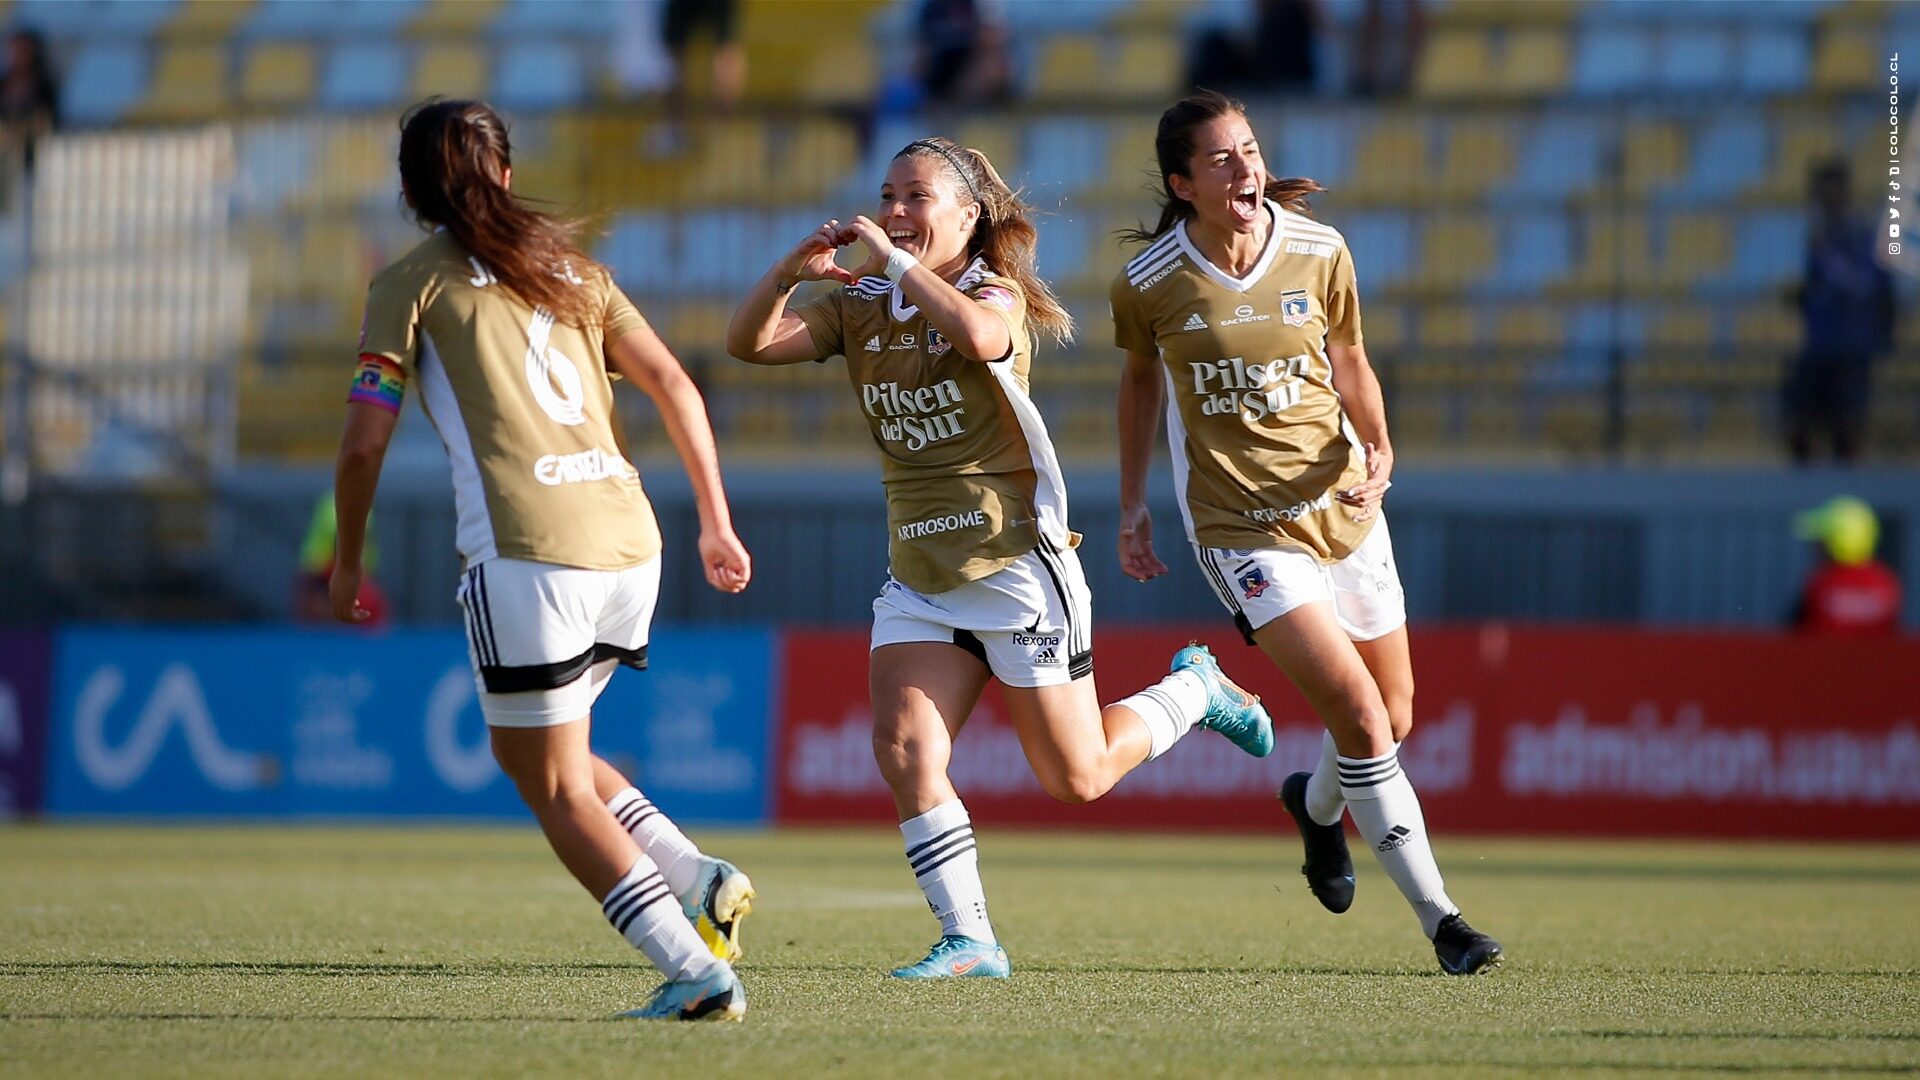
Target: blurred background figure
678, 50
29, 103
310, 601
1279, 52
963, 53
1850, 591
1846, 309
1386, 51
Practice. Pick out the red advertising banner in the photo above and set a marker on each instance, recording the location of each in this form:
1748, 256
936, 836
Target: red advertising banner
1591, 732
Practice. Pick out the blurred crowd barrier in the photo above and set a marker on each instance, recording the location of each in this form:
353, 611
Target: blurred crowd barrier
1517, 731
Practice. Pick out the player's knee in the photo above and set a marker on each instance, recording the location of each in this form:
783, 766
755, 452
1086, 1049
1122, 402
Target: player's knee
1400, 715
1363, 727
1073, 786
899, 754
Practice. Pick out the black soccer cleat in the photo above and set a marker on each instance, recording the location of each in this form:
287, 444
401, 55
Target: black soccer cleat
1329, 868
1462, 949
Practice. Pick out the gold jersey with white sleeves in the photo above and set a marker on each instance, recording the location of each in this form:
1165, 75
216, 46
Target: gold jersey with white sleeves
1259, 441
524, 405
971, 477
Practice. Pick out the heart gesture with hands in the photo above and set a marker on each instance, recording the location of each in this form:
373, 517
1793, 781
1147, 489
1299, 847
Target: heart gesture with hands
813, 259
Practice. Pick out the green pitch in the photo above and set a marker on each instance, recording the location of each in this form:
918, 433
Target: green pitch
201, 952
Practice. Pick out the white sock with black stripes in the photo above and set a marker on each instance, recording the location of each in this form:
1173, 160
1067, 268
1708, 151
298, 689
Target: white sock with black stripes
660, 838
946, 865
1387, 812
642, 908
1324, 801
1169, 708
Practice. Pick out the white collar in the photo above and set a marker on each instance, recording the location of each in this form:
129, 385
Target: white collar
1260, 266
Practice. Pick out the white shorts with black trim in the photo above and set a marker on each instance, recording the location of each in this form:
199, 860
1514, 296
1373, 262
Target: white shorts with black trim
544, 639
1030, 622
1261, 585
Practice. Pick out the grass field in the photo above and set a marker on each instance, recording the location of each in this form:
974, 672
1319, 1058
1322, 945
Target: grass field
213, 952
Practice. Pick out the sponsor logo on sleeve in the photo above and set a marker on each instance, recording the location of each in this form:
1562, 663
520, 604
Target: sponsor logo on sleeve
997, 297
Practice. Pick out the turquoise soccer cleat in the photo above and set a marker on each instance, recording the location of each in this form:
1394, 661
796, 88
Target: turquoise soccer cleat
1231, 711
955, 957
718, 904
717, 995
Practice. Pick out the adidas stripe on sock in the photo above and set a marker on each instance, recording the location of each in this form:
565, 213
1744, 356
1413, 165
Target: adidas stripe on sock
941, 851
662, 840
1387, 813
1324, 801
1169, 709
641, 907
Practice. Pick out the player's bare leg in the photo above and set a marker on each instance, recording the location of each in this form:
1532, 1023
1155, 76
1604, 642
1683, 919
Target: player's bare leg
1078, 750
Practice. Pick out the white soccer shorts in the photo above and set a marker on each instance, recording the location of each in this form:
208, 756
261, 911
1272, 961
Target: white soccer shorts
1030, 622
544, 639
1261, 585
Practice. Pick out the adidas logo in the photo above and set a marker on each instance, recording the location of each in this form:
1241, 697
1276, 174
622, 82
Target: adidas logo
1046, 656
873, 343
1395, 838
1195, 322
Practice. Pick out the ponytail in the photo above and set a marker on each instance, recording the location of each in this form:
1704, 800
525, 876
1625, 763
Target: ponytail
1174, 147
1004, 235
454, 157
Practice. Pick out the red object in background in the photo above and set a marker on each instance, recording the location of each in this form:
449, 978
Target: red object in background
312, 603
1841, 599
1589, 732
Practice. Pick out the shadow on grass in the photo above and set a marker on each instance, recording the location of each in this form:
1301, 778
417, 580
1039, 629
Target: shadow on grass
283, 1018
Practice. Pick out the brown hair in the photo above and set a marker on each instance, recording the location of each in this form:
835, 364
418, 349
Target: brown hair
1174, 145
1004, 234
454, 157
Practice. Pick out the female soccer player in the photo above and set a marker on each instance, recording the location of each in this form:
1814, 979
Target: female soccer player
984, 581
559, 541
1245, 311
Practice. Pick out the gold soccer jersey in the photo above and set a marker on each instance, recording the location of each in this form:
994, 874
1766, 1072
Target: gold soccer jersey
971, 477
1258, 437
524, 406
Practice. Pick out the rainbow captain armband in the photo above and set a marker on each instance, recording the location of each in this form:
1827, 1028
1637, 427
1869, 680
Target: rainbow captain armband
378, 381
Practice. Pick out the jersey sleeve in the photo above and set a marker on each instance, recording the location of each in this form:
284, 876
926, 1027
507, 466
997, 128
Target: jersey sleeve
390, 327
824, 319
1005, 298
1343, 301
1131, 330
620, 317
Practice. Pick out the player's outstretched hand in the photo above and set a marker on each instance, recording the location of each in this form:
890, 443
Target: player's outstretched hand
862, 230
725, 560
813, 259
1368, 494
343, 592
1137, 559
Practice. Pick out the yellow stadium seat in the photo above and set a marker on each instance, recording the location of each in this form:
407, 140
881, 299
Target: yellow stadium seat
1132, 169
1616, 249
997, 139
1687, 327
1848, 59
839, 77
189, 83
1146, 68
1456, 250
1767, 327
1798, 146
1697, 246
454, 70
1455, 63
700, 325
207, 19
1507, 13
1577, 426
1384, 326
1448, 327
277, 75
1530, 326
1391, 163
1164, 16
454, 19
810, 159
730, 163
1069, 69
1478, 156
356, 163
1656, 154
1535, 62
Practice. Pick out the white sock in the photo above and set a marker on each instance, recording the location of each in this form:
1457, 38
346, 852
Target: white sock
1169, 708
946, 865
1324, 801
1387, 813
660, 838
643, 909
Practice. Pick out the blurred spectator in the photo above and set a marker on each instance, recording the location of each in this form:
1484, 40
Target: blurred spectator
1386, 50
1846, 307
311, 603
656, 42
963, 53
1850, 592
29, 96
1279, 53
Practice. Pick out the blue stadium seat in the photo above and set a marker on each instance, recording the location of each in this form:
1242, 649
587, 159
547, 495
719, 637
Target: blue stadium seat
293, 19
1063, 156
1768, 249
544, 18
275, 162
538, 75
1319, 145
105, 80
716, 251
1727, 156
1032, 17
56, 18
373, 18
1774, 61
367, 75
1064, 242
639, 251
1384, 246
1558, 157
1695, 58
1535, 248
1612, 61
